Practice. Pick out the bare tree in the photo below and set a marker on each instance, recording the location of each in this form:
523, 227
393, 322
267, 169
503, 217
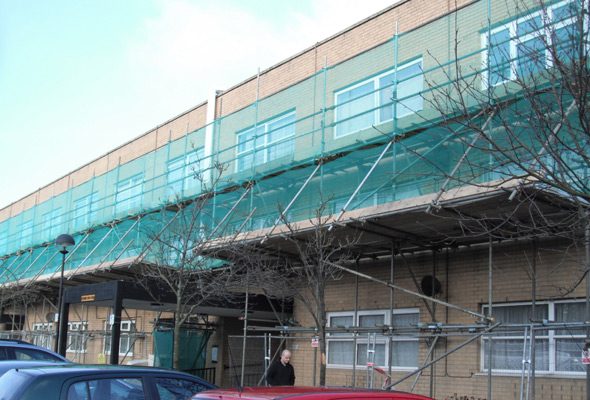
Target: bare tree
516, 118
178, 259
524, 114
301, 266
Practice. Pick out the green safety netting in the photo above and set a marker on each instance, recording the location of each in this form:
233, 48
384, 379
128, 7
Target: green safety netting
193, 349
373, 122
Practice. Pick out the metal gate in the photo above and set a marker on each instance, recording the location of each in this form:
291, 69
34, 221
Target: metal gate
249, 361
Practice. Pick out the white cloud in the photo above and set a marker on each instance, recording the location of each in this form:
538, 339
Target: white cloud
190, 48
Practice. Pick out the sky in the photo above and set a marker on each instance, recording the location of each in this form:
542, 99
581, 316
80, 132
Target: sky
79, 78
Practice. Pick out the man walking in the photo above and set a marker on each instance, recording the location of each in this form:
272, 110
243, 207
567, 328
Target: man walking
281, 372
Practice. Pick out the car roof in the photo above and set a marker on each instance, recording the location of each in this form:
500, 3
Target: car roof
98, 368
307, 392
15, 343
6, 365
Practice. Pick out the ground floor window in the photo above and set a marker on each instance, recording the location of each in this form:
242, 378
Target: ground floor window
372, 347
77, 337
43, 335
556, 350
126, 340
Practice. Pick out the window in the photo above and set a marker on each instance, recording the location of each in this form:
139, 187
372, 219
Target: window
24, 233
76, 336
182, 172
126, 340
524, 46
52, 223
176, 388
3, 242
43, 335
109, 388
85, 210
266, 142
556, 351
372, 101
341, 344
129, 193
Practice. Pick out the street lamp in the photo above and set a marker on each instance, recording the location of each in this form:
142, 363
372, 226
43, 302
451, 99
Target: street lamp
63, 243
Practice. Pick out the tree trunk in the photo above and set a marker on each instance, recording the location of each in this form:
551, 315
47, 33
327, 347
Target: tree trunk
322, 340
176, 338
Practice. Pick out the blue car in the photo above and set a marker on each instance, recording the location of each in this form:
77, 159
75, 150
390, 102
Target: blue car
99, 382
12, 349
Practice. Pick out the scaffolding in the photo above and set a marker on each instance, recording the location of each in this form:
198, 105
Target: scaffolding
365, 133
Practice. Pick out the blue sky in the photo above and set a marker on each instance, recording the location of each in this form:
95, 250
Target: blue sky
81, 77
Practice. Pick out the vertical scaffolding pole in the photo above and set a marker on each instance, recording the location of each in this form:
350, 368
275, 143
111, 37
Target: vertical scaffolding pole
356, 308
391, 297
587, 313
533, 316
490, 300
245, 329
323, 122
525, 364
432, 348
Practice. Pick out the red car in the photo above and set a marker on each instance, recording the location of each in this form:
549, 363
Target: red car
304, 393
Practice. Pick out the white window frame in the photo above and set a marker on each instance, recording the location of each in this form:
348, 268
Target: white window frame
52, 223
25, 232
126, 342
258, 149
3, 242
376, 110
85, 210
45, 337
514, 40
362, 340
550, 336
180, 175
77, 343
129, 193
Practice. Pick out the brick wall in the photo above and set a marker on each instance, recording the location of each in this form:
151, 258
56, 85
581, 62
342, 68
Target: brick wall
465, 284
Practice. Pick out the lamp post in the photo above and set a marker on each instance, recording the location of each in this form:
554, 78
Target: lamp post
63, 244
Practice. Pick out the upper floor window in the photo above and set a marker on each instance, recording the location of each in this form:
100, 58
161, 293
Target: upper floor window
183, 172
531, 43
85, 210
3, 242
380, 99
25, 233
266, 142
52, 223
556, 351
341, 344
129, 193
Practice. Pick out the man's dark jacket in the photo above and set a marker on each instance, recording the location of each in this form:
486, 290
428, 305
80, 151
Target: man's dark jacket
280, 375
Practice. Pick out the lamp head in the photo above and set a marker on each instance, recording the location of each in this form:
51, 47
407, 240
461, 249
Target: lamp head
64, 242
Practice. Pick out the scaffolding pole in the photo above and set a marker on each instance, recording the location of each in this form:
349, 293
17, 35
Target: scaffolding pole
34, 261
360, 185
434, 202
93, 250
465, 343
286, 210
472, 313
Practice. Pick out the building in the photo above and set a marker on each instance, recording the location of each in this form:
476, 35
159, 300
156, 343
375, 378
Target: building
380, 123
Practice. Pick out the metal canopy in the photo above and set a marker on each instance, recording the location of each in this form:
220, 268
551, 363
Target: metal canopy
130, 295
